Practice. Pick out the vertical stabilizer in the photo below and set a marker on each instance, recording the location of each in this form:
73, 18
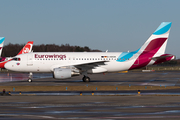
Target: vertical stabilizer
27, 48
154, 47
1, 44
158, 40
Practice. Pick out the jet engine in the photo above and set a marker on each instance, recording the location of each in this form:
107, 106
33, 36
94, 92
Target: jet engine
63, 73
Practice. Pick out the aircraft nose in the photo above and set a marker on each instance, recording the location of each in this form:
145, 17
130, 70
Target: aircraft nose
8, 66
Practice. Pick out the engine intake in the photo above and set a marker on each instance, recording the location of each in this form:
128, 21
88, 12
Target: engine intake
64, 73
61, 73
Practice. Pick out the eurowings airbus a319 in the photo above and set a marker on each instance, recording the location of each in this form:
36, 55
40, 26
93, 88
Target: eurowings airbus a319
64, 65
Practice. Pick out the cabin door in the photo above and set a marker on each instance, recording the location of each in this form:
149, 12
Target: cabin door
29, 59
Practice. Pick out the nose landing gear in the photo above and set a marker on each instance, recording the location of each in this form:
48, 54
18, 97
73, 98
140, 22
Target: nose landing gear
30, 77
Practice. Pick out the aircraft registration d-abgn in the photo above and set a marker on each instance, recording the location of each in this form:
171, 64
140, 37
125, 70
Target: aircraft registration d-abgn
64, 65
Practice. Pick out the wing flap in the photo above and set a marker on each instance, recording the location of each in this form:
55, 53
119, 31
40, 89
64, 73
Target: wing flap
90, 65
82, 66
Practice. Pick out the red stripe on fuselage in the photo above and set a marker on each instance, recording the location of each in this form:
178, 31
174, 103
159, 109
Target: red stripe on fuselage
145, 57
3, 63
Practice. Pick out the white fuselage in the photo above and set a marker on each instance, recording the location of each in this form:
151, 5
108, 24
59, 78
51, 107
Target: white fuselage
48, 61
151, 52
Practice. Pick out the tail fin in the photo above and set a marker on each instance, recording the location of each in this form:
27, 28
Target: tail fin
1, 44
154, 47
27, 48
158, 40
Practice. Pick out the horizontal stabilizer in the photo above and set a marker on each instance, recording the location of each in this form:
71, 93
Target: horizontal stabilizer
163, 58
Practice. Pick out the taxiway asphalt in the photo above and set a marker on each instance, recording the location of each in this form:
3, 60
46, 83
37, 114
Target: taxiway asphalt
90, 107
110, 107
163, 78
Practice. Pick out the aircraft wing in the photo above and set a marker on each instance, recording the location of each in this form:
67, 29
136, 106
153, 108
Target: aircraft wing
82, 66
87, 66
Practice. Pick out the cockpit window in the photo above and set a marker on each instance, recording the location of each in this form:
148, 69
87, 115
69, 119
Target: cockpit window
16, 59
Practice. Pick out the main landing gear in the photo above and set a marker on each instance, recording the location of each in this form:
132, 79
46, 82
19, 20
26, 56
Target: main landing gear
30, 77
86, 79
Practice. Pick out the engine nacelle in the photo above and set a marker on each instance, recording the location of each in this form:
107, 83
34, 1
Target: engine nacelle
62, 73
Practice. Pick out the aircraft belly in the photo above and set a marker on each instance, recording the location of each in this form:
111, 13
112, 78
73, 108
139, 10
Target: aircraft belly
41, 67
117, 66
97, 70
37, 67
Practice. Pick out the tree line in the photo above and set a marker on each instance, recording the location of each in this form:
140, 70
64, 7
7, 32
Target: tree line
11, 50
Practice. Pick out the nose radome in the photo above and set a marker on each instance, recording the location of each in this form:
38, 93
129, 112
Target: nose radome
8, 65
